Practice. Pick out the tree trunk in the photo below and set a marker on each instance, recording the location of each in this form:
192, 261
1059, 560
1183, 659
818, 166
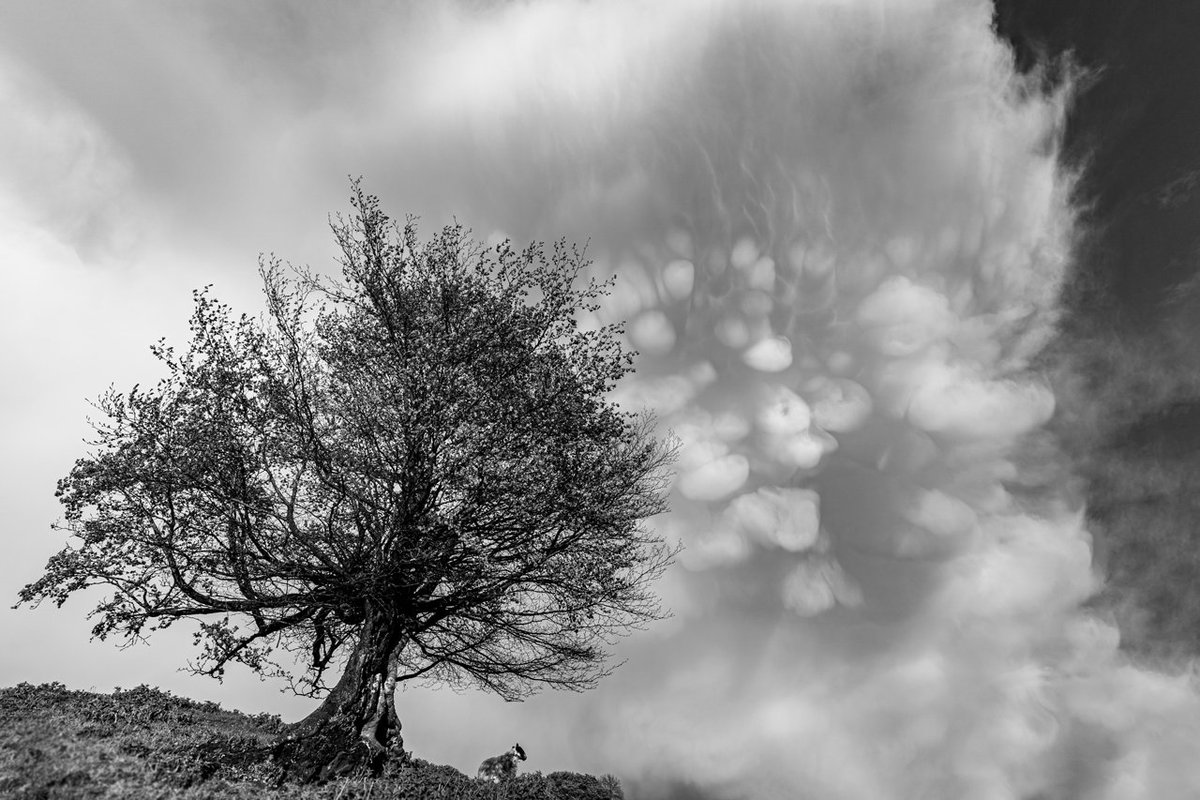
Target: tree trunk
356, 727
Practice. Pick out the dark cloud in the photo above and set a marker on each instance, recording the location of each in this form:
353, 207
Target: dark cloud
840, 230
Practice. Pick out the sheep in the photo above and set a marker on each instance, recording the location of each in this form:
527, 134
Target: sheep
503, 767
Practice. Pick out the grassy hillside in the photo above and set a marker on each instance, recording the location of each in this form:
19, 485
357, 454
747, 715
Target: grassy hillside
144, 743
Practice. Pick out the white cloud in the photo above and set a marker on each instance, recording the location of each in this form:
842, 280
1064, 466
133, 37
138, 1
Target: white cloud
874, 236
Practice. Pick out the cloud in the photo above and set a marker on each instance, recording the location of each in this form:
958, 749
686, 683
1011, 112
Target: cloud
870, 224
839, 229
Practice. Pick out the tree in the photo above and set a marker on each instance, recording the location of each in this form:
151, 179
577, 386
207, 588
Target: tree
410, 472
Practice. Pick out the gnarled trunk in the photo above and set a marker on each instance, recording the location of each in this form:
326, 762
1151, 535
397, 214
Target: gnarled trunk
356, 726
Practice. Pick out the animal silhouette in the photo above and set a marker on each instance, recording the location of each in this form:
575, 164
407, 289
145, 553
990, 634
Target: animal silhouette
501, 767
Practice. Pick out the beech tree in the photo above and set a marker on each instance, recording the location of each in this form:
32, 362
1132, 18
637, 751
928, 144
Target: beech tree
408, 472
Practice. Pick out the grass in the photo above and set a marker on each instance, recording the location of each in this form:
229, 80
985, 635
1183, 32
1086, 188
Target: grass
61, 744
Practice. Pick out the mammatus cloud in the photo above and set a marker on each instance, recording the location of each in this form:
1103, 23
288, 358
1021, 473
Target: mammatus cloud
839, 229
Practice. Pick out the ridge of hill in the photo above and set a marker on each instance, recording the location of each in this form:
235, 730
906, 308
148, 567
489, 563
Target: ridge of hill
63, 744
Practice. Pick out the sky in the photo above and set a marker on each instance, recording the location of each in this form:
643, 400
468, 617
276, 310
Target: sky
1125, 358
858, 246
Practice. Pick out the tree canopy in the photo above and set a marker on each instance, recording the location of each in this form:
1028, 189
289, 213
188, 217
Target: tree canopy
408, 472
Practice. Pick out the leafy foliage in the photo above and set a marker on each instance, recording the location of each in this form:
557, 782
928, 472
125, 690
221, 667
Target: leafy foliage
415, 462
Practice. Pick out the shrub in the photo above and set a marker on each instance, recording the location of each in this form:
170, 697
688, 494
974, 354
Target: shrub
577, 786
529, 786
420, 780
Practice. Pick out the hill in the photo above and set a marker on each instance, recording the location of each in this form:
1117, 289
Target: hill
61, 744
